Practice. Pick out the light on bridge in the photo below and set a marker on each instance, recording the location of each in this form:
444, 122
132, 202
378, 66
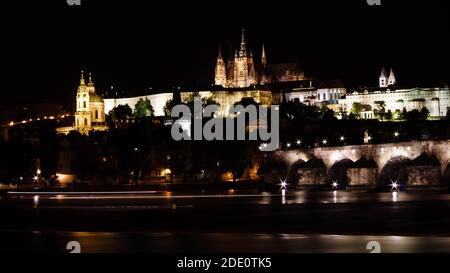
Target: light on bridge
283, 184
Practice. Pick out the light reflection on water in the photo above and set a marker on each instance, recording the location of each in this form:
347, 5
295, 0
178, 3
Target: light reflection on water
166, 242
288, 197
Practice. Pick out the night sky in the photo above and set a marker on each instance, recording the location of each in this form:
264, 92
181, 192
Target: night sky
133, 46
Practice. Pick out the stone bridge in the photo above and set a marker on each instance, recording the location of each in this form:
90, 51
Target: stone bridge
420, 163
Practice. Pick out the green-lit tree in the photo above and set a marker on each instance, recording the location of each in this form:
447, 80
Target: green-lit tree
143, 108
357, 108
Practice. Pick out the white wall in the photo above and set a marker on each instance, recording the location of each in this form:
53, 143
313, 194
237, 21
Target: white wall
158, 102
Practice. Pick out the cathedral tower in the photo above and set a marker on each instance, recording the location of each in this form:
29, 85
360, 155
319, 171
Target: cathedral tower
83, 115
244, 73
383, 78
391, 79
90, 114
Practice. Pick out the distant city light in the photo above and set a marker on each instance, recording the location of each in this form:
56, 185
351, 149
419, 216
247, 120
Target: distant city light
396, 134
324, 142
299, 142
342, 138
335, 185
288, 145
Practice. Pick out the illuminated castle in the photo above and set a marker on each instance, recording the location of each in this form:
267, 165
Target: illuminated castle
240, 71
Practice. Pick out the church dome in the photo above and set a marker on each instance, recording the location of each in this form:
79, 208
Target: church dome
95, 98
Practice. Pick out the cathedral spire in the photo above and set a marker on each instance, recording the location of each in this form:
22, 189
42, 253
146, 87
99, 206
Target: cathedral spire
82, 83
383, 72
263, 56
243, 49
220, 75
219, 55
383, 78
391, 79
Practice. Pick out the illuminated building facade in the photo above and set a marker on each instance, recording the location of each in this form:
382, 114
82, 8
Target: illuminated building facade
436, 100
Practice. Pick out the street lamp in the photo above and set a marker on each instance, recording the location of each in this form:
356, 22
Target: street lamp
324, 142
283, 184
335, 185
342, 138
394, 186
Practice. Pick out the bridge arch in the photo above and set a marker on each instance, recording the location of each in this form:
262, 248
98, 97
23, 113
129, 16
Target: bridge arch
338, 172
394, 171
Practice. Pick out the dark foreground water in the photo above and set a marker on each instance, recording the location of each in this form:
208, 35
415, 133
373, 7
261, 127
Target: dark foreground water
231, 221
168, 242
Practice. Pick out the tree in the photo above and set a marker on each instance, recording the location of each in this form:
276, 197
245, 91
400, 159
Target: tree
246, 102
389, 116
424, 113
297, 111
404, 114
327, 113
205, 101
168, 108
413, 115
397, 115
380, 110
120, 112
357, 108
143, 108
